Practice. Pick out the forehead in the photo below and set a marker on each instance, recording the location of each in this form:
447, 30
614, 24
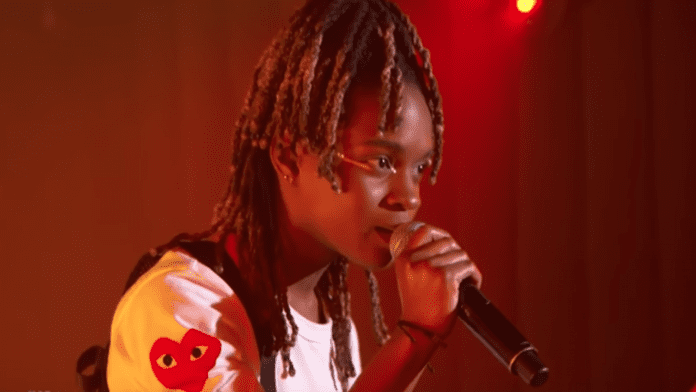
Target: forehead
414, 133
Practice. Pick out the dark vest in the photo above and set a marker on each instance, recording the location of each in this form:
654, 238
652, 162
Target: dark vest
206, 252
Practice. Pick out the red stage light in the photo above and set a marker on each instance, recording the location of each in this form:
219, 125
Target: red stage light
525, 5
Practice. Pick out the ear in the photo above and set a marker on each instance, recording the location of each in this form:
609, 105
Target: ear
283, 158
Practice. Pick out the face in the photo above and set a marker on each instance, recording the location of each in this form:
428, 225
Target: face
380, 177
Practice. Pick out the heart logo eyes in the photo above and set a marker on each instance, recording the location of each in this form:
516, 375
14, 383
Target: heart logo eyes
166, 361
185, 365
198, 352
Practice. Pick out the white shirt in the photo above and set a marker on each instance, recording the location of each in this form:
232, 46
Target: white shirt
310, 356
180, 327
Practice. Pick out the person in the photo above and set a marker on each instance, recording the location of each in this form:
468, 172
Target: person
342, 125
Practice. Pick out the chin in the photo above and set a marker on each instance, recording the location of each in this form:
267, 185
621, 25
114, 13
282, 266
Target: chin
375, 259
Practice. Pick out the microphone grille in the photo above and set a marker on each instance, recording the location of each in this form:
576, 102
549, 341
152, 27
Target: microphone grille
399, 238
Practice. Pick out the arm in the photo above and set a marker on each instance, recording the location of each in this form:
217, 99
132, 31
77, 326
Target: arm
181, 327
398, 363
428, 273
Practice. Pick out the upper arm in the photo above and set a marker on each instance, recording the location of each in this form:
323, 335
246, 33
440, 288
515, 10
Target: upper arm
184, 331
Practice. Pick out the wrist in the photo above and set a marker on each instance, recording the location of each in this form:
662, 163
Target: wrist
413, 330
409, 328
398, 362
442, 327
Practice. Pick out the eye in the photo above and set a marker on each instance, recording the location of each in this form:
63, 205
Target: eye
198, 352
382, 164
166, 361
424, 166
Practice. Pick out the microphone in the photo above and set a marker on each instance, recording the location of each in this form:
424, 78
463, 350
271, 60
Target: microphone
486, 322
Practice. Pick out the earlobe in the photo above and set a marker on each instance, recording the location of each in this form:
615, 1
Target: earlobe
284, 160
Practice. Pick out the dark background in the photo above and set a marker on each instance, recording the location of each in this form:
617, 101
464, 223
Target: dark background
567, 174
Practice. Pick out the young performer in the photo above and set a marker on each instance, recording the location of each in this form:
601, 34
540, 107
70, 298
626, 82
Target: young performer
342, 124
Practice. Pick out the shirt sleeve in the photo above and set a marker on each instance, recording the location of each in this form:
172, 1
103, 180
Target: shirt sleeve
181, 328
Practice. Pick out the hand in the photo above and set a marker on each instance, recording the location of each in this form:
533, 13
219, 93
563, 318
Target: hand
428, 274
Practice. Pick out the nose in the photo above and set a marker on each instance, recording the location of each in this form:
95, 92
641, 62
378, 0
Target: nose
404, 194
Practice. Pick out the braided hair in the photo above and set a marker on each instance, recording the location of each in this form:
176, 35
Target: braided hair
298, 94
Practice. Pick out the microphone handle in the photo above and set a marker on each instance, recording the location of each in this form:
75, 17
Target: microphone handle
499, 336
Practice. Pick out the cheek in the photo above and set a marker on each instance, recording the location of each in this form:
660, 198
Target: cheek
355, 180
342, 220
373, 191
318, 199
365, 192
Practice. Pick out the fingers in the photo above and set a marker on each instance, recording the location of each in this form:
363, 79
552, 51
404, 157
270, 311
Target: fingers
469, 271
425, 234
443, 260
455, 263
457, 267
440, 246
442, 252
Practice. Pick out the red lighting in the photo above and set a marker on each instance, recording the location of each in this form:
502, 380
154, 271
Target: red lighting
525, 5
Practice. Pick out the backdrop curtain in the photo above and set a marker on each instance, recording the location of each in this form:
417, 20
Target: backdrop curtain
567, 174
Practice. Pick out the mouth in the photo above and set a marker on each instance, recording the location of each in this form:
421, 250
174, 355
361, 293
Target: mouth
384, 234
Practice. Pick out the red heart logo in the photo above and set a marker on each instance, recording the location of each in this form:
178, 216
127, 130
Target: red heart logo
185, 365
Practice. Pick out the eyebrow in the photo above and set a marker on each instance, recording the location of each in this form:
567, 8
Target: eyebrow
393, 146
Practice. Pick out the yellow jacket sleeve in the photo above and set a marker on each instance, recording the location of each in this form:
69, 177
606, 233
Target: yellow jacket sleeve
180, 327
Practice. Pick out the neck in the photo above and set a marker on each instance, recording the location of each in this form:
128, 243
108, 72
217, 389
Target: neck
303, 261
300, 295
302, 299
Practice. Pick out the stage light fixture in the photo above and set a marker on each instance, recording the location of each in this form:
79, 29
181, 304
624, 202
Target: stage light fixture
525, 5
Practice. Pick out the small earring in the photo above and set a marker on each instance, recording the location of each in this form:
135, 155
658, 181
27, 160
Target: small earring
287, 178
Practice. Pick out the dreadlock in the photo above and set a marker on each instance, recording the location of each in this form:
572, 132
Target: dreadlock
298, 94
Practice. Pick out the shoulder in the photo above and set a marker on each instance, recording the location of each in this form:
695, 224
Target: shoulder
180, 323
